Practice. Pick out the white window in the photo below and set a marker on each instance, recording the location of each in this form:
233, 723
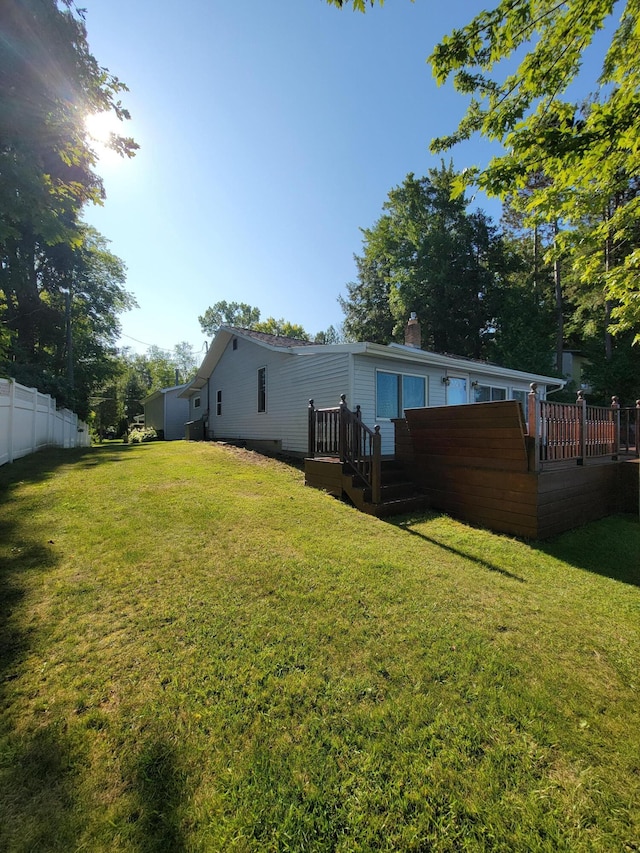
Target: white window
396, 392
488, 393
196, 402
218, 402
262, 389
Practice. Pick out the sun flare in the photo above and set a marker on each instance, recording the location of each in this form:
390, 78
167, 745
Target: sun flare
100, 127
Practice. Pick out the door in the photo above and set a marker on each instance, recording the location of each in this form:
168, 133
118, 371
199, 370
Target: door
457, 390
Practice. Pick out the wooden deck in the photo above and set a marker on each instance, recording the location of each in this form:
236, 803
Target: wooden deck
478, 464
483, 464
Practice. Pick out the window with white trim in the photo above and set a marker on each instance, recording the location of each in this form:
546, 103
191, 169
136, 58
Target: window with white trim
396, 392
196, 402
262, 389
488, 393
218, 402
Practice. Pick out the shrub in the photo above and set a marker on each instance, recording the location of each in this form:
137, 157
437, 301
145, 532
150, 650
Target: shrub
139, 434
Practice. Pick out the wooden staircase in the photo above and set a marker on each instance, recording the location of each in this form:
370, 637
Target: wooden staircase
398, 495
345, 460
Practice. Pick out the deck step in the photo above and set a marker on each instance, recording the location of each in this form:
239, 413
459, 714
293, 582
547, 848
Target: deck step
398, 495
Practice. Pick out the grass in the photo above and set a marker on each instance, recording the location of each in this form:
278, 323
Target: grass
200, 654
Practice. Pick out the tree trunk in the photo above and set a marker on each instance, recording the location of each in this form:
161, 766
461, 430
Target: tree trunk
557, 283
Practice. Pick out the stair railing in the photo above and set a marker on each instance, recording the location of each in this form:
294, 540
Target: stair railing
339, 432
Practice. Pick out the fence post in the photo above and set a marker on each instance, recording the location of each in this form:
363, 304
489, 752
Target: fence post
12, 404
582, 426
637, 429
312, 430
34, 420
615, 408
376, 472
534, 423
342, 435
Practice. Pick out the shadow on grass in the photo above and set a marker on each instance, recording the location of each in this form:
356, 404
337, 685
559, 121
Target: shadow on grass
37, 790
41, 466
37, 769
160, 790
406, 526
610, 547
22, 551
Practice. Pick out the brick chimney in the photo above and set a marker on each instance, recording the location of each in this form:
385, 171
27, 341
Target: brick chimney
412, 332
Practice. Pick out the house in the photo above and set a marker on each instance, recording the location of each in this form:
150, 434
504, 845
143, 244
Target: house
573, 367
167, 412
255, 387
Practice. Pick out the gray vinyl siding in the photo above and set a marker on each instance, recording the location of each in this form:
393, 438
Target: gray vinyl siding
364, 387
294, 376
291, 380
364, 390
319, 377
167, 412
154, 413
176, 415
199, 412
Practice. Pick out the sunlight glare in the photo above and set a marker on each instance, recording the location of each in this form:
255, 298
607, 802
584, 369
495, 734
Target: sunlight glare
100, 127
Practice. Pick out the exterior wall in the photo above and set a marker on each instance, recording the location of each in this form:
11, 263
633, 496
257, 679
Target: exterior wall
292, 379
194, 412
364, 388
154, 413
176, 414
364, 391
293, 376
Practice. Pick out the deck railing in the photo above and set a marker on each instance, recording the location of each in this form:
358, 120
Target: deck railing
577, 431
340, 433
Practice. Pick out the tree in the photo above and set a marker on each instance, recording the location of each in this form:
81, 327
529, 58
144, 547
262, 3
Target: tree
225, 313
588, 153
281, 327
245, 316
185, 361
65, 346
331, 335
49, 82
427, 254
366, 308
357, 5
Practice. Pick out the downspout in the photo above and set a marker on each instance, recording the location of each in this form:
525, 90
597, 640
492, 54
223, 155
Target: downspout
554, 389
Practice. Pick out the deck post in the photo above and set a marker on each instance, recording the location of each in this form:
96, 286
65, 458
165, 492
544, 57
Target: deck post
376, 470
615, 409
312, 430
342, 437
582, 427
534, 424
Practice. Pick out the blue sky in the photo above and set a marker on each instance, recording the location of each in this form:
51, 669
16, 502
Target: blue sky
270, 133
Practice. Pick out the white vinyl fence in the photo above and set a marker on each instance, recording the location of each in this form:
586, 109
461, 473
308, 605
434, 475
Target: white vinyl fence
29, 421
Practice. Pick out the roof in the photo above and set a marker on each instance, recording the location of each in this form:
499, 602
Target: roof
396, 352
271, 340
162, 391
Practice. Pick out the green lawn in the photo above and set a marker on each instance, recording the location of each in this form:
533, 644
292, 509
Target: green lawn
200, 654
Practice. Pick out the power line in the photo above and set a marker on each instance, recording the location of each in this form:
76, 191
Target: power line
163, 349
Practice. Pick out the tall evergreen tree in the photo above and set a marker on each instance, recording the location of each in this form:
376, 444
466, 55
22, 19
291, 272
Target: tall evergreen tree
427, 254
